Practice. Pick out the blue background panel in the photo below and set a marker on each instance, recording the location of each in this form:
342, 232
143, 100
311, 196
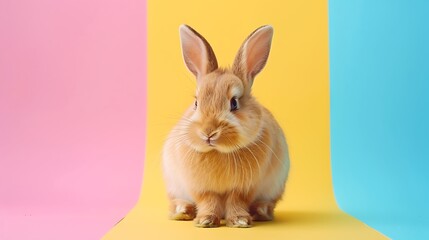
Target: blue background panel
379, 76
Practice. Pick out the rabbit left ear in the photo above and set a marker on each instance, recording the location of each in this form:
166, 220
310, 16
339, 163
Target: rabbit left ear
197, 52
253, 54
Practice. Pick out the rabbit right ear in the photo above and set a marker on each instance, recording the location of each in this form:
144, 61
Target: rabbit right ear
197, 52
253, 54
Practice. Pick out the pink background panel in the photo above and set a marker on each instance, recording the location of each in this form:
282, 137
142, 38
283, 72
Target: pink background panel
72, 116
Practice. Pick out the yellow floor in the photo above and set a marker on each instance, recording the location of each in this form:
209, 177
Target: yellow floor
294, 85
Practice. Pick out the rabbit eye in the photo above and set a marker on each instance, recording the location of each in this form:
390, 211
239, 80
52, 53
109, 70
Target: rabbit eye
234, 104
195, 104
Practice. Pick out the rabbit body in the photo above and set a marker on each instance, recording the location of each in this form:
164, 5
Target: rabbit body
227, 158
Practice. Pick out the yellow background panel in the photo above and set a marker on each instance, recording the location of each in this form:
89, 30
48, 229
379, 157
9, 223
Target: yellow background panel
294, 85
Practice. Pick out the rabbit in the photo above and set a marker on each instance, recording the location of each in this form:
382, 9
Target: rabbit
227, 157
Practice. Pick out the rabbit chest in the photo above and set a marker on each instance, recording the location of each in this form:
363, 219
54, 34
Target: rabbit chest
222, 172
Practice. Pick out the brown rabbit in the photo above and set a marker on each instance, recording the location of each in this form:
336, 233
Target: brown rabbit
227, 158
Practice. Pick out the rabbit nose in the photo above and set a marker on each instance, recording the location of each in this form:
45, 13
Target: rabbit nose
210, 136
213, 135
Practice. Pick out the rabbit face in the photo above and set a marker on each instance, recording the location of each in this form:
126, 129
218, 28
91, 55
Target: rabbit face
223, 116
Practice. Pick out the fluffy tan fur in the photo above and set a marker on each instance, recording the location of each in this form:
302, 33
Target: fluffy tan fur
221, 163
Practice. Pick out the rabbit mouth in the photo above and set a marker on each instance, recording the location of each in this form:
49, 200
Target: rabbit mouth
206, 147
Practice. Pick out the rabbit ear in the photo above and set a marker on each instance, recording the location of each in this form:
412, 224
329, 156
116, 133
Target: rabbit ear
253, 54
197, 52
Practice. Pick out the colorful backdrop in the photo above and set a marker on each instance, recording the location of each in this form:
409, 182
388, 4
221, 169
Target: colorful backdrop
379, 82
347, 81
72, 116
